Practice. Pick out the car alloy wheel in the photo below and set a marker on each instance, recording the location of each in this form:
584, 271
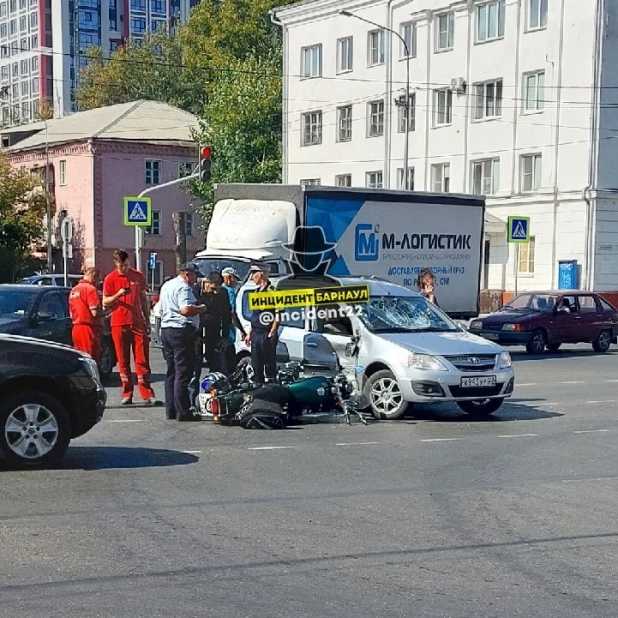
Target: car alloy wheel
385, 396
537, 343
31, 431
602, 342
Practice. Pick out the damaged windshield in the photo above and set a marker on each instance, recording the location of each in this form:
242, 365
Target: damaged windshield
404, 314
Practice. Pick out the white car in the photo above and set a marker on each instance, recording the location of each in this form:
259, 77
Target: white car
410, 350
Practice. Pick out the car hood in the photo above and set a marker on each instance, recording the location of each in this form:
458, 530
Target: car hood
442, 344
509, 317
41, 343
11, 326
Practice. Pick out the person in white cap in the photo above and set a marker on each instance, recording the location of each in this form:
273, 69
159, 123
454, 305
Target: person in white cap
230, 285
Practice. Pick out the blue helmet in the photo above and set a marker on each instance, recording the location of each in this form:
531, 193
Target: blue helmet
215, 381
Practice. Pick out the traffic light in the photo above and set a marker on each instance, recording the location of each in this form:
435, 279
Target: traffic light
205, 160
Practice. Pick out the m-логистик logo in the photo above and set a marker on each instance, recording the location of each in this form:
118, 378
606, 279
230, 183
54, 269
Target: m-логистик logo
366, 242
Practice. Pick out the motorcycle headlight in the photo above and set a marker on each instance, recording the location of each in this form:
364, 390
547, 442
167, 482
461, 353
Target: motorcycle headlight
476, 324
91, 367
426, 362
505, 361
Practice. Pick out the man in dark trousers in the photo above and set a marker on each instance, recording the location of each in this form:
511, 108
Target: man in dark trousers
215, 323
179, 326
262, 338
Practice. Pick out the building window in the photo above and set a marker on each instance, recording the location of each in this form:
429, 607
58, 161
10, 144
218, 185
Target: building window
138, 25
343, 180
153, 172
537, 14
442, 107
345, 55
531, 169
488, 100
25, 88
486, 177
445, 31
310, 181
400, 179
408, 33
344, 124
376, 119
23, 23
154, 229
185, 169
24, 67
311, 61
138, 5
3, 9
441, 177
62, 172
157, 6
526, 256
34, 41
534, 91
312, 128
373, 180
401, 121
34, 20
375, 48
189, 224
490, 21
34, 88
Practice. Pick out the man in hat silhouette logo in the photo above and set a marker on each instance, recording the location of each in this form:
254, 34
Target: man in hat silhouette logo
309, 251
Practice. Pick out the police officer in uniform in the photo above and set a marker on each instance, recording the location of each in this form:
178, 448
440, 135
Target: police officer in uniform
262, 337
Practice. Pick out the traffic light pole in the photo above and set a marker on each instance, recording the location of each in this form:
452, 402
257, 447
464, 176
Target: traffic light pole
139, 233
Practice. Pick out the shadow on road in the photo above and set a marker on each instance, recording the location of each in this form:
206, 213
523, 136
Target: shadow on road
510, 411
114, 457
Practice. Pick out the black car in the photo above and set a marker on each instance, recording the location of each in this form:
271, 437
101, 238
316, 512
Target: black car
49, 394
43, 312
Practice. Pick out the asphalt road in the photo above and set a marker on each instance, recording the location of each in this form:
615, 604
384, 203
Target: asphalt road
432, 516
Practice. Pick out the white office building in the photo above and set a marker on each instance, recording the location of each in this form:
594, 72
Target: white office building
514, 99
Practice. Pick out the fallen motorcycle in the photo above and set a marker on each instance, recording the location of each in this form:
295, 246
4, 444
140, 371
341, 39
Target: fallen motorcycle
293, 399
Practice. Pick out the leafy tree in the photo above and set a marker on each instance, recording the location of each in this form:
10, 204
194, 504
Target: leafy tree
152, 70
22, 215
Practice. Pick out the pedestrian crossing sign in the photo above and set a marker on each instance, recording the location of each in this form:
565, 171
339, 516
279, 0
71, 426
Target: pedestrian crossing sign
519, 229
137, 211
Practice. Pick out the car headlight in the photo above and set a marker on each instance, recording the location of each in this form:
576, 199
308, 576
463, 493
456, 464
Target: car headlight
505, 361
91, 367
511, 327
477, 324
424, 361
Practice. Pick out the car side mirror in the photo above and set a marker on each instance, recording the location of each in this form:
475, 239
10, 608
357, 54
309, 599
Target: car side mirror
44, 316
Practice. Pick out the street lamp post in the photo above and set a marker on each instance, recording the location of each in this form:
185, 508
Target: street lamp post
48, 204
406, 113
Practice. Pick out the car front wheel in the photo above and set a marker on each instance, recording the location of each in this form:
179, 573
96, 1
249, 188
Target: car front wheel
480, 407
538, 342
385, 396
603, 342
34, 429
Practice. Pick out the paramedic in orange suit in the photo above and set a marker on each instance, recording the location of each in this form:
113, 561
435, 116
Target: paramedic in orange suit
86, 314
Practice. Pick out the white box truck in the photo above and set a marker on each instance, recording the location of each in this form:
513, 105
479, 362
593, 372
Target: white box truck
377, 233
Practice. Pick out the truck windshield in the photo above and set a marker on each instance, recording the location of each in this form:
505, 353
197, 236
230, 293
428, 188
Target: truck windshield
392, 314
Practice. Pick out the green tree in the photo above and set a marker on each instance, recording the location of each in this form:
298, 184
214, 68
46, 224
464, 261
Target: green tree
152, 70
22, 215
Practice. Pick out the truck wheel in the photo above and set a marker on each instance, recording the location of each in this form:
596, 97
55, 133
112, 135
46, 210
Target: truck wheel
603, 342
480, 407
34, 429
537, 342
385, 396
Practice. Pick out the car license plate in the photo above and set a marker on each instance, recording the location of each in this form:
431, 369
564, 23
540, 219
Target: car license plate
491, 336
479, 382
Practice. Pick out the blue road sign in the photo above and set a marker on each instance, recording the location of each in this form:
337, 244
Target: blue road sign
519, 229
152, 261
137, 211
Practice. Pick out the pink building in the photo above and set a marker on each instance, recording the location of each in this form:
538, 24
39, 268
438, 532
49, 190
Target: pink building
98, 157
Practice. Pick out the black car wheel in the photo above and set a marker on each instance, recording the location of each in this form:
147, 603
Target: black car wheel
603, 342
108, 358
538, 342
34, 429
480, 407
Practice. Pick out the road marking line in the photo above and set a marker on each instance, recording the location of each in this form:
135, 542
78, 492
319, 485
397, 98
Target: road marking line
593, 431
128, 420
520, 435
441, 440
611, 380
267, 448
191, 452
355, 443
601, 401
529, 384
551, 403
573, 382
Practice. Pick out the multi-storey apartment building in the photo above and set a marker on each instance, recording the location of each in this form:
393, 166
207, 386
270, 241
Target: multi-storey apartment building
513, 99
43, 45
